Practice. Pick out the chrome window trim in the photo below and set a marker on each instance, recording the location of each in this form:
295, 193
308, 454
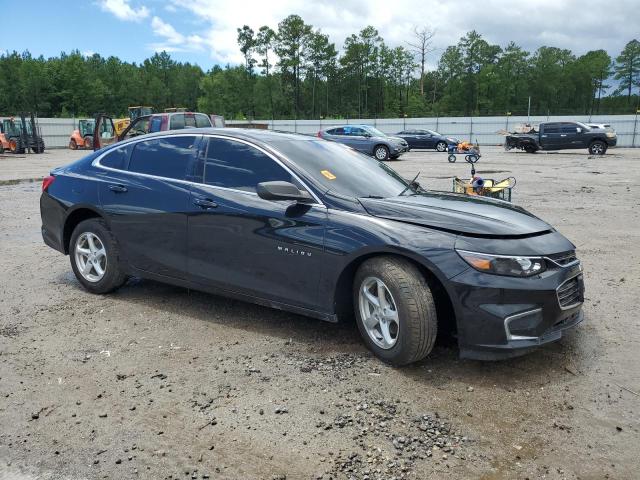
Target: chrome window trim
573, 305
513, 317
96, 163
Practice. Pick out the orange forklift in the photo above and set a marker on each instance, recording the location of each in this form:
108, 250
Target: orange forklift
10, 136
82, 137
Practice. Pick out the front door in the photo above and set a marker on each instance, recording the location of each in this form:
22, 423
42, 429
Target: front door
241, 242
146, 199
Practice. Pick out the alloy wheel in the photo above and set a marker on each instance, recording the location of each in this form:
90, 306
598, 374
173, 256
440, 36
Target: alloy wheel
381, 153
441, 147
91, 257
379, 312
597, 149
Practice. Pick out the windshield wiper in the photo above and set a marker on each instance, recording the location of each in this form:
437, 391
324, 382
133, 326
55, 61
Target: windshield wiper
413, 185
372, 196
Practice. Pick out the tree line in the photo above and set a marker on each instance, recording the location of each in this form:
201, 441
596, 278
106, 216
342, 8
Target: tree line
295, 71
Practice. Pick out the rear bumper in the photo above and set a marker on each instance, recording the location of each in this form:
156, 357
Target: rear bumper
502, 317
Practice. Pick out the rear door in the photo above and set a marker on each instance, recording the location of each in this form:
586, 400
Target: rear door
145, 194
243, 243
570, 136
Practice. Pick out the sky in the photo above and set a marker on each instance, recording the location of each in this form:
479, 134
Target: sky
204, 31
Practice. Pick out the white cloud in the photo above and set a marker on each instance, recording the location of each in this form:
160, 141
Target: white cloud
124, 11
88, 53
574, 24
172, 40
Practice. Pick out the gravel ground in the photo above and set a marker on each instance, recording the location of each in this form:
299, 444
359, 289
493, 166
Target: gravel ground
160, 382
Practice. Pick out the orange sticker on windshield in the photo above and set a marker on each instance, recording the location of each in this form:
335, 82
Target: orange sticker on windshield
328, 174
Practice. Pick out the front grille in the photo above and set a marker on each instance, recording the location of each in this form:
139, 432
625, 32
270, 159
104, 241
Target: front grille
564, 259
570, 293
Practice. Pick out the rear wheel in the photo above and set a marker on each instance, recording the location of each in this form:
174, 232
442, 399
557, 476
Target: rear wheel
598, 148
381, 152
17, 146
1, 148
395, 311
95, 256
88, 142
73, 145
441, 146
530, 149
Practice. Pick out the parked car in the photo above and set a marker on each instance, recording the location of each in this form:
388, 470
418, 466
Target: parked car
427, 139
105, 132
313, 227
561, 136
367, 139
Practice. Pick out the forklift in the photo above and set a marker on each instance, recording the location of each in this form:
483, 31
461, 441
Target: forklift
10, 136
31, 137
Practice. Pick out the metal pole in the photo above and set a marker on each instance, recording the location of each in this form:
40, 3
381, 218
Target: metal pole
529, 110
635, 128
471, 130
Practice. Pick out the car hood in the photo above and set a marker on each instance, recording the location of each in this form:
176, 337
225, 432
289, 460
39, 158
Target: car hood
394, 139
458, 213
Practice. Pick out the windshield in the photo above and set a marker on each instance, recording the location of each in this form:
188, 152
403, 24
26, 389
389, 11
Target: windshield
341, 169
374, 131
585, 127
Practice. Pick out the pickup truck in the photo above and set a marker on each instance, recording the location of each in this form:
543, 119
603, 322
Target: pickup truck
561, 136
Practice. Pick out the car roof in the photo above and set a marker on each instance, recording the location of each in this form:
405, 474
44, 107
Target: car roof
242, 133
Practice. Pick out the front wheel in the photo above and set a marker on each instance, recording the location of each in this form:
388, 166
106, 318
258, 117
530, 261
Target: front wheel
381, 153
88, 142
94, 257
441, 147
451, 158
73, 145
395, 311
597, 148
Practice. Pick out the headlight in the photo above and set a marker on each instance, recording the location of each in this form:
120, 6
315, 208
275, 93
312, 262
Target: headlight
611, 134
504, 265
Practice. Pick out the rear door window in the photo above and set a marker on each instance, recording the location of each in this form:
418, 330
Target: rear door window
236, 165
552, 128
117, 158
177, 121
167, 157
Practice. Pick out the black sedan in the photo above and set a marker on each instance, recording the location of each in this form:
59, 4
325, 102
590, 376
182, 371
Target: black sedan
427, 139
317, 228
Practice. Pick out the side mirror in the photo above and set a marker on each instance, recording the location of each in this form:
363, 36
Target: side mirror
578, 129
282, 191
366, 135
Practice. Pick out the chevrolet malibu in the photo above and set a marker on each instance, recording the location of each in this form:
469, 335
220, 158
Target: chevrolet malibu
315, 228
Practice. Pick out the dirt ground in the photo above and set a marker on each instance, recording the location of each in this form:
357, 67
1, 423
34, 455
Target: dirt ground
158, 382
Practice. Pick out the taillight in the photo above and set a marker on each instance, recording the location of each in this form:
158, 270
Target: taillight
320, 134
46, 181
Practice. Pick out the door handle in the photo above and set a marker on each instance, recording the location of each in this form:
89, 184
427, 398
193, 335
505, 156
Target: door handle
562, 135
118, 188
204, 203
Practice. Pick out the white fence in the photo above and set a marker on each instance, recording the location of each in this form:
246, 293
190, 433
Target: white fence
56, 131
483, 129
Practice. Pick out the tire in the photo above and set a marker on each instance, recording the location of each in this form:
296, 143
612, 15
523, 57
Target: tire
19, 146
88, 142
381, 152
112, 277
451, 158
409, 300
39, 147
73, 145
530, 149
1, 148
597, 147
441, 146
